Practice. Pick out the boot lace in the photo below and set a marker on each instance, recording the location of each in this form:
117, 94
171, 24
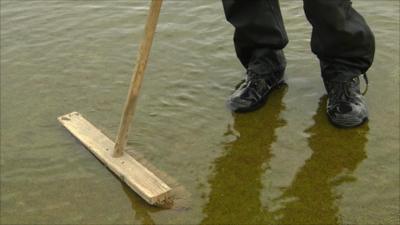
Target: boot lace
366, 84
271, 79
340, 90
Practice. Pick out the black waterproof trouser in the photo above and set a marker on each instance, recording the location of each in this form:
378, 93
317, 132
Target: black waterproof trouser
340, 38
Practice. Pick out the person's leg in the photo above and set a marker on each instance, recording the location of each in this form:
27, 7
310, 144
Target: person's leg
345, 47
259, 39
340, 38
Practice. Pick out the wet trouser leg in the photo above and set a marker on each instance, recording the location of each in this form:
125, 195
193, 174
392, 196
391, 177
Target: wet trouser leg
259, 35
340, 38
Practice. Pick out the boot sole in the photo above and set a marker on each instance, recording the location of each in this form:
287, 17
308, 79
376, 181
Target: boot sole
347, 123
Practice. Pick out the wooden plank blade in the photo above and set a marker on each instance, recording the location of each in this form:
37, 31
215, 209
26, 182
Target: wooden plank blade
134, 174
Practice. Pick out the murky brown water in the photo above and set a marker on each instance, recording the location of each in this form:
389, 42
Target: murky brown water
283, 164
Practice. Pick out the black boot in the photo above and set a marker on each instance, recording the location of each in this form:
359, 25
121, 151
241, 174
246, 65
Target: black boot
252, 93
346, 105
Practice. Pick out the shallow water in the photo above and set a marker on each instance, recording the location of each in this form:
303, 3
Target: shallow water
282, 164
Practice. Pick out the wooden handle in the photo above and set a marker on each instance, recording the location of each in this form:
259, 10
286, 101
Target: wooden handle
137, 78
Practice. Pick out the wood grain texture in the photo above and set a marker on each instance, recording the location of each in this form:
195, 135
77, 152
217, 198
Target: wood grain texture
137, 77
135, 175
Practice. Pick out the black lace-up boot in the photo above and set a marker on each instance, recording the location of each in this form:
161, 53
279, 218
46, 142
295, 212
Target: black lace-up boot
252, 92
346, 104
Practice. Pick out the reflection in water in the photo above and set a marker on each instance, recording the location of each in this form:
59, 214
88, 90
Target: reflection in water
335, 155
236, 184
312, 196
139, 206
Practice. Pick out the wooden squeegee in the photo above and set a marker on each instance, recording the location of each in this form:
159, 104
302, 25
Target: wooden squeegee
135, 175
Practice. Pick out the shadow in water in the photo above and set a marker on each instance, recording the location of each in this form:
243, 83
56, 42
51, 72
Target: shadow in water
236, 183
312, 197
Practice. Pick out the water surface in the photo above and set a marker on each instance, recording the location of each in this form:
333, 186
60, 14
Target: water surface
283, 164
